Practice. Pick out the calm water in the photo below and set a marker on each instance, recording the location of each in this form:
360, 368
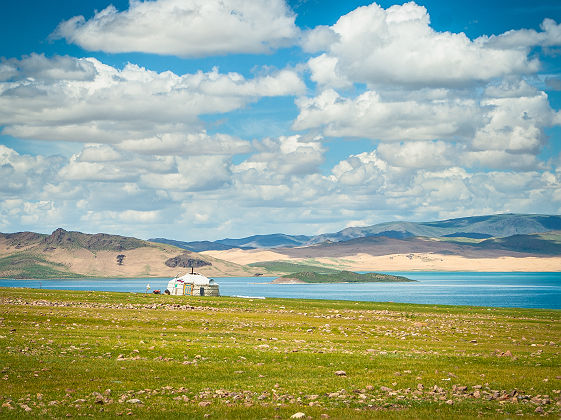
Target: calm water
523, 290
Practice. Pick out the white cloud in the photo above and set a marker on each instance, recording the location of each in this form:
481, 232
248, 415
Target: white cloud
324, 72
397, 45
419, 154
524, 38
459, 124
500, 159
25, 174
99, 153
318, 39
187, 28
132, 103
196, 173
371, 116
126, 216
364, 169
77, 170
189, 193
516, 118
37, 66
290, 155
187, 144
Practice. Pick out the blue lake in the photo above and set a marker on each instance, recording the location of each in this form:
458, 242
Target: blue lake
522, 290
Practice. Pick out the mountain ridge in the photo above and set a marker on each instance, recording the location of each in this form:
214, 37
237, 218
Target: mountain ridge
491, 226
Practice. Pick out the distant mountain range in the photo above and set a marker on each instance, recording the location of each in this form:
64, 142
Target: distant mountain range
476, 228
251, 242
524, 245
64, 254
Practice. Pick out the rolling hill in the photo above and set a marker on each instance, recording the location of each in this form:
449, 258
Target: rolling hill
64, 254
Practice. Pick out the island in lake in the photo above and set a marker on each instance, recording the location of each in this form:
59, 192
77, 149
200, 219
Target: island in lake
337, 277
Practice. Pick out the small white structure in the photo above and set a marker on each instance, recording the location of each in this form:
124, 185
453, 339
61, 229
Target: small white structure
193, 284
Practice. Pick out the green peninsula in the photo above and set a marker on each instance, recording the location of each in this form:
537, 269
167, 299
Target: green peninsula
338, 277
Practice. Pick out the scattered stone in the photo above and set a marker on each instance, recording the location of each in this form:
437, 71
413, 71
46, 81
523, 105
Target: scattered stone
298, 415
204, 403
538, 410
340, 373
25, 407
385, 389
134, 401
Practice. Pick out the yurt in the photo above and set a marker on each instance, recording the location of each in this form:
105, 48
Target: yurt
193, 284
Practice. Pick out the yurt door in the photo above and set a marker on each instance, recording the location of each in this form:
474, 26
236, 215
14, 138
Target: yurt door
188, 290
202, 291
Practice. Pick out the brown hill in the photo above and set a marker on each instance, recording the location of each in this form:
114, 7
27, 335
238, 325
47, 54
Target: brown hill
64, 254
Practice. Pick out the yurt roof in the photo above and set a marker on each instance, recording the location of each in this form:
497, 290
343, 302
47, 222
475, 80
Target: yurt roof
196, 279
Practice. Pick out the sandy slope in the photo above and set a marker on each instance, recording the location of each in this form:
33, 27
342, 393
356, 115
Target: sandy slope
240, 256
401, 262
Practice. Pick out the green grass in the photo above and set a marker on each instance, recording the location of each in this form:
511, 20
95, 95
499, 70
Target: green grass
289, 267
25, 265
68, 353
344, 277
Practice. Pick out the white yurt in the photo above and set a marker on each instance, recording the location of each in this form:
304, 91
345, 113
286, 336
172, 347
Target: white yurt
193, 284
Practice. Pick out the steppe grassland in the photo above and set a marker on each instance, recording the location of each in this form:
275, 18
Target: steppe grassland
111, 354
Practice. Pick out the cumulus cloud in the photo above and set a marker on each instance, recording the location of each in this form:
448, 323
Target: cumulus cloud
192, 28
192, 174
143, 172
370, 115
516, 118
457, 125
525, 38
37, 66
187, 144
419, 154
22, 173
290, 155
501, 159
77, 170
132, 103
398, 45
362, 169
186, 190
318, 39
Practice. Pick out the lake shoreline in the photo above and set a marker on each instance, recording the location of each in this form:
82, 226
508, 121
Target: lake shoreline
507, 289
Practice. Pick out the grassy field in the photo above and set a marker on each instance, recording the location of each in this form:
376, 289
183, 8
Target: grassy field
26, 265
291, 267
70, 354
344, 277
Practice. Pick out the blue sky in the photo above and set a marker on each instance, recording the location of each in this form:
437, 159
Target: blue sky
204, 119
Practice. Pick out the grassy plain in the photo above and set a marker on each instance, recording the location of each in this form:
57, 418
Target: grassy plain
70, 354
342, 277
